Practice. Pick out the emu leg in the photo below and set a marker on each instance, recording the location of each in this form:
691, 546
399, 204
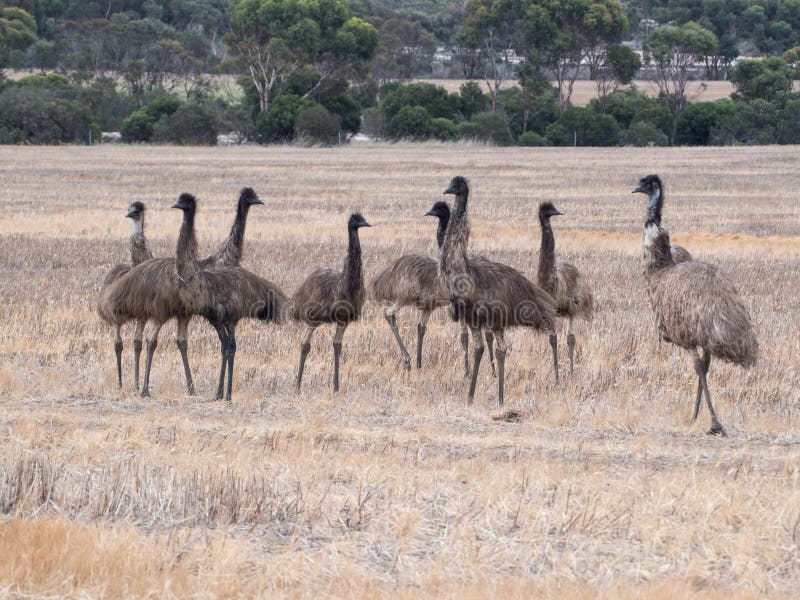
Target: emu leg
152, 343
465, 347
231, 352
305, 348
421, 327
137, 351
477, 352
390, 318
223, 347
716, 426
701, 368
554, 346
118, 352
490, 346
571, 345
337, 351
501, 364
183, 345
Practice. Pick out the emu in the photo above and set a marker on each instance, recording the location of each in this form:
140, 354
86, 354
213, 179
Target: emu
222, 296
412, 280
329, 296
696, 306
487, 294
563, 281
150, 291
139, 253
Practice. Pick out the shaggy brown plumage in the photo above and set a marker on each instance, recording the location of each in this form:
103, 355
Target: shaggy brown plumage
329, 296
150, 291
563, 281
696, 306
139, 253
487, 294
413, 280
223, 296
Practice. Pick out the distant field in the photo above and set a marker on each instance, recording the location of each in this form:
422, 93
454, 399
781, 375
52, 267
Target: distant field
396, 487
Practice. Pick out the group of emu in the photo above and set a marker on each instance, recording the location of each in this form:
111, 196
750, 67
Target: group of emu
696, 307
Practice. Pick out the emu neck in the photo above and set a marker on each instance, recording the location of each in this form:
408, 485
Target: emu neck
352, 264
230, 255
186, 252
654, 207
138, 244
659, 252
453, 257
441, 231
547, 257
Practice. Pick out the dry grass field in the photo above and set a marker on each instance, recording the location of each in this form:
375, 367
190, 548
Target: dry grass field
396, 487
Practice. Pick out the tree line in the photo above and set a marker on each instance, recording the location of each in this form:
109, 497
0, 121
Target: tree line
181, 71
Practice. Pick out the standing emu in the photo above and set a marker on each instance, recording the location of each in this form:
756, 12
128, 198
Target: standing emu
696, 306
139, 253
329, 296
487, 294
150, 291
223, 296
563, 281
413, 280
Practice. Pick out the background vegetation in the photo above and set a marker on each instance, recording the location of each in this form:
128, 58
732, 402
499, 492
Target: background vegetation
321, 70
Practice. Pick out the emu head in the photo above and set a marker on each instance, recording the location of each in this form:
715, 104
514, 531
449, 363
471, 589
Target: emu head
458, 186
135, 211
439, 210
248, 197
356, 221
186, 202
652, 186
547, 210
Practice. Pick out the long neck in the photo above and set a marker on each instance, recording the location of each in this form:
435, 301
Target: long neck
352, 264
441, 231
659, 251
230, 254
186, 252
453, 257
138, 244
547, 256
654, 206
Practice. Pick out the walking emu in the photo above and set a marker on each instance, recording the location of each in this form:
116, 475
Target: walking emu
488, 294
413, 280
329, 296
150, 292
223, 296
139, 253
563, 281
696, 306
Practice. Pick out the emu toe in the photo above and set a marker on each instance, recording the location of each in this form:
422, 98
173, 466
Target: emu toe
717, 429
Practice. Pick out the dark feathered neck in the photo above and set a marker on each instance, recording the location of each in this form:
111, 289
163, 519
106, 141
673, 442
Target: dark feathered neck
656, 242
230, 254
453, 256
547, 256
441, 230
186, 252
352, 264
138, 243
654, 207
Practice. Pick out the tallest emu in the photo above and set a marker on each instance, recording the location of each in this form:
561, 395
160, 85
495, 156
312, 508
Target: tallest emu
696, 306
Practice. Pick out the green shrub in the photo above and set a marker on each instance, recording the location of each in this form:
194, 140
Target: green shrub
276, 124
30, 115
443, 129
372, 123
138, 127
583, 127
698, 120
488, 127
531, 138
433, 98
411, 122
318, 124
644, 133
191, 125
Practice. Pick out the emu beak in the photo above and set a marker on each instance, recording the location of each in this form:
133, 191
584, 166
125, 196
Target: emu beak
558, 212
365, 224
638, 189
177, 205
430, 213
450, 190
257, 200
131, 214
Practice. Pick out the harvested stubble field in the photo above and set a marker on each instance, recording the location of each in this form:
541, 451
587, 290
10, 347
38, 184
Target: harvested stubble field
395, 486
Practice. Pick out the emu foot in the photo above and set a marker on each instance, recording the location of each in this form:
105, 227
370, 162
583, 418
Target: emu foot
717, 429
